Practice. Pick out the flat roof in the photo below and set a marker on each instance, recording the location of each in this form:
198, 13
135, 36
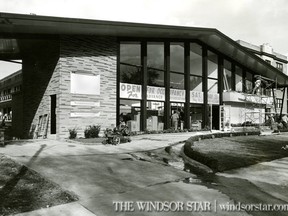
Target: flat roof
17, 25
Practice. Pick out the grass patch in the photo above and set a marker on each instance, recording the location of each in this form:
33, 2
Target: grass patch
22, 189
223, 154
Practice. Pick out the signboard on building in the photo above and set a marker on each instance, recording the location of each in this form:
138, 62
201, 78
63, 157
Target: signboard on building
85, 84
196, 97
155, 93
131, 91
213, 98
177, 95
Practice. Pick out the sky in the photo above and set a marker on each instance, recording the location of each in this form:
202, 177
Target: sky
254, 21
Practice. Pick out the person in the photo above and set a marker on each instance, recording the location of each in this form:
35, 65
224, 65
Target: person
175, 119
257, 86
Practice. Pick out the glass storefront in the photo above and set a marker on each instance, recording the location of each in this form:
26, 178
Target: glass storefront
130, 113
155, 115
165, 72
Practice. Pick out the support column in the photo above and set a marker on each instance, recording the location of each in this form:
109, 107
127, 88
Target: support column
220, 79
167, 112
187, 123
144, 85
205, 87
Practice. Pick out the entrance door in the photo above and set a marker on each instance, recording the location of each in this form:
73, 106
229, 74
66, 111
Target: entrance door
53, 114
215, 118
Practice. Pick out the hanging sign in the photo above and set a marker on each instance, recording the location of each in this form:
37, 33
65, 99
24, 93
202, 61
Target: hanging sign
155, 93
213, 98
131, 91
177, 95
196, 97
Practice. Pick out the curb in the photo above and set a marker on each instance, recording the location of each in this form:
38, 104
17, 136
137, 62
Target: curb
200, 161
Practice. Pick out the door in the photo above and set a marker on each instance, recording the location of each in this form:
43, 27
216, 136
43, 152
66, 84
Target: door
53, 114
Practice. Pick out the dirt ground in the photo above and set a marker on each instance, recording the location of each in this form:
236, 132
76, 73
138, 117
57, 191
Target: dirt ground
22, 189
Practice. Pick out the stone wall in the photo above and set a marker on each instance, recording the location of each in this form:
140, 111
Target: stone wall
92, 56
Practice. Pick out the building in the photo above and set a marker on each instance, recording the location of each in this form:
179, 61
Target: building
277, 60
79, 72
9, 86
266, 52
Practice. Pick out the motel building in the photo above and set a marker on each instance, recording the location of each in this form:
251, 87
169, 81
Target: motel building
79, 72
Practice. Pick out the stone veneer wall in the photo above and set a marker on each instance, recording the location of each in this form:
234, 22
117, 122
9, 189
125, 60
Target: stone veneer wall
97, 56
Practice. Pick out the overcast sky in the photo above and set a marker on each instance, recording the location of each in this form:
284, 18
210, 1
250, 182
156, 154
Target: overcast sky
254, 21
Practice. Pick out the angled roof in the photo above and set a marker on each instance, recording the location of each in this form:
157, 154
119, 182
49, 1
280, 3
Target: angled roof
16, 25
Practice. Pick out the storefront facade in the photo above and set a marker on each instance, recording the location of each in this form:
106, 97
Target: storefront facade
97, 72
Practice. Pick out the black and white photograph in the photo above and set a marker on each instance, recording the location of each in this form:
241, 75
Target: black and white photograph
143, 107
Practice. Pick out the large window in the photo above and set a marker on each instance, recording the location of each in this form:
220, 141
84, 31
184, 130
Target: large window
130, 63
155, 64
227, 76
212, 72
177, 83
155, 115
238, 79
196, 114
195, 67
130, 113
177, 65
249, 82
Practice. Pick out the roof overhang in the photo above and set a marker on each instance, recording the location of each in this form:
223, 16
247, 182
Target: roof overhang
16, 26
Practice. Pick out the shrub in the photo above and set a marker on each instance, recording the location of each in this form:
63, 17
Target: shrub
92, 131
72, 133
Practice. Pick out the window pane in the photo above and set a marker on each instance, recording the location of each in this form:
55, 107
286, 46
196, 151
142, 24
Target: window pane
212, 65
130, 111
196, 116
155, 55
130, 53
195, 59
248, 82
130, 63
238, 79
155, 64
130, 74
177, 81
155, 77
177, 57
155, 115
212, 86
227, 76
195, 83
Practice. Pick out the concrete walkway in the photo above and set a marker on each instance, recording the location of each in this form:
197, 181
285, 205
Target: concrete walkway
145, 142
41, 155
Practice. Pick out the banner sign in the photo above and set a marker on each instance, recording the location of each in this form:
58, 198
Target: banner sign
196, 97
155, 93
177, 95
131, 91
213, 98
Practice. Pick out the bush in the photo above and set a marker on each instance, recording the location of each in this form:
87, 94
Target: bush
92, 131
72, 133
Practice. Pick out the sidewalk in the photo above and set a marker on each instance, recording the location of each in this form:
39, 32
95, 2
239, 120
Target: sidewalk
60, 160
145, 142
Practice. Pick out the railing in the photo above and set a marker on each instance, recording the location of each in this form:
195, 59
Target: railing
8, 118
5, 98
